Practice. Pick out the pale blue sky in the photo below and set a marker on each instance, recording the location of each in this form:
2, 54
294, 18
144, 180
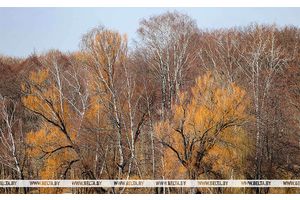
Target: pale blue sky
23, 30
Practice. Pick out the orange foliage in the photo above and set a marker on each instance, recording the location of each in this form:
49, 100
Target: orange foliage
205, 135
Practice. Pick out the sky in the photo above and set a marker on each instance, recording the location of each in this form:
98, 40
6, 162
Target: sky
27, 30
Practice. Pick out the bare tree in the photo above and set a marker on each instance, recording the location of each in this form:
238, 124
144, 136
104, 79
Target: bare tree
167, 50
11, 136
262, 60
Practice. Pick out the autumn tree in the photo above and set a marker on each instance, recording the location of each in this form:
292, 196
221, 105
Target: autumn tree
206, 123
107, 49
253, 57
114, 88
58, 95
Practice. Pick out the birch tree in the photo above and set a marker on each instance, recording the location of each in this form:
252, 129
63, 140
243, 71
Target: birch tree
106, 51
262, 59
11, 136
114, 88
167, 49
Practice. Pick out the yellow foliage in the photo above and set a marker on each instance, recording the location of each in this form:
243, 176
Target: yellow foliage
51, 166
207, 121
43, 97
39, 77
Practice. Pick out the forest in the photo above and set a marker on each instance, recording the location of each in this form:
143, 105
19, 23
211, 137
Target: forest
180, 103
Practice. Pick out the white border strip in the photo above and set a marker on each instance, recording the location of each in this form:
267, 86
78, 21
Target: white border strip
152, 3
150, 183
